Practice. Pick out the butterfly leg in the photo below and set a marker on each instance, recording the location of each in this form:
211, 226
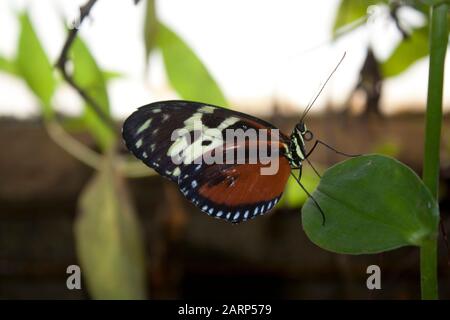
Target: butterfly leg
317, 142
309, 195
309, 162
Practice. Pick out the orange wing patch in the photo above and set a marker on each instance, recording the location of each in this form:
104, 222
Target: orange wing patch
244, 184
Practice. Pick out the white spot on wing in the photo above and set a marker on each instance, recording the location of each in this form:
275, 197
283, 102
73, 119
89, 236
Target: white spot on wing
139, 143
144, 126
176, 172
190, 152
227, 123
206, 109
179, 145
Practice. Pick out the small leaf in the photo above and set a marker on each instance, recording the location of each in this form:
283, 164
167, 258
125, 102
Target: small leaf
185, 71
111, 75
372, 204
9, 66
150, 27
407, 52
108, 238
34, 66
350, 10
90, 78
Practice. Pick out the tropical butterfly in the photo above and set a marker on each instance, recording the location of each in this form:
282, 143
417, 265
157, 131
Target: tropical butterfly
235, 191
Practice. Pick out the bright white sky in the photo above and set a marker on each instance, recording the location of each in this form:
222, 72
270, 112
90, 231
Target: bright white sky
257, 50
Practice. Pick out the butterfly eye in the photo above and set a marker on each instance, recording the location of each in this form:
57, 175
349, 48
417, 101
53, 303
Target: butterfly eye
301, 127
307, 136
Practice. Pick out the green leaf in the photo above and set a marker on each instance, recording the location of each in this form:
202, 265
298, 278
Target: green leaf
372, 204
90, 78
34, 66
407, 52
9, 66
434, 2
350, 11
108, 238
150, 27
185, 71
109, 75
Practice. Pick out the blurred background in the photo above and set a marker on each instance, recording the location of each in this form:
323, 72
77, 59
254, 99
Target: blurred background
70, 194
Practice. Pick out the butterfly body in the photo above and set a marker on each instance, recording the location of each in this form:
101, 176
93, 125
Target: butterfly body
234, 191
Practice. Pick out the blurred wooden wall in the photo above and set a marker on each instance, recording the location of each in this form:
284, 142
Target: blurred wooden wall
190, 254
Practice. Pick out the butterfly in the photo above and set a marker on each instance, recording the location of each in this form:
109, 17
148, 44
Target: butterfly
233, 191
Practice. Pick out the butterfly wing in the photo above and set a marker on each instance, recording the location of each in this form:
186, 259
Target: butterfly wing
234, 192
147, 133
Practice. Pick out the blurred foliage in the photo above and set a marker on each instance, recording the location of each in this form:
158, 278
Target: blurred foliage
434, 2
9, 66
150, 28
188, 75
409, 50
350, 11
108, 236
372, 204
34, 66
109, 242
388, 148
87, 74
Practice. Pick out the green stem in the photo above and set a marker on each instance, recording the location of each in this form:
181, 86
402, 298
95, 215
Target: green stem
428, 268
438, 48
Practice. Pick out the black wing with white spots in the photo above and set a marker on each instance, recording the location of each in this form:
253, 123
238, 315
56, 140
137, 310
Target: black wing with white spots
148, 131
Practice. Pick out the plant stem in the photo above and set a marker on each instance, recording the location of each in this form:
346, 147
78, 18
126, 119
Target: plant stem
428, 269
438, 48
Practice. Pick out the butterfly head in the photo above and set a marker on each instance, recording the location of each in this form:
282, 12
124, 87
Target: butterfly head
302, 130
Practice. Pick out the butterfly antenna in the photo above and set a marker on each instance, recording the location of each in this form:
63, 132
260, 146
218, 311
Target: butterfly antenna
321, 88
309, 195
